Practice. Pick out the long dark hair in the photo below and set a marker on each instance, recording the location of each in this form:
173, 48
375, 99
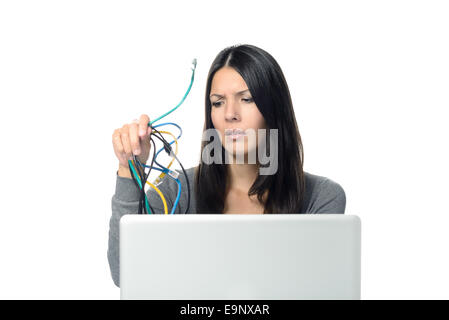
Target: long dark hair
270, 92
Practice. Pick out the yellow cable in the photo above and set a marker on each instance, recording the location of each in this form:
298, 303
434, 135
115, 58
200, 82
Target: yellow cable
158, 192
160, 195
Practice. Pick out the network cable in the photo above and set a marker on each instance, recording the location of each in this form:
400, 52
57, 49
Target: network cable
169, 150
137, 169
185, 96
164, 171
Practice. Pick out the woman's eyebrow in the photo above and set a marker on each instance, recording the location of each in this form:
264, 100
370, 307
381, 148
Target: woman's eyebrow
221, 96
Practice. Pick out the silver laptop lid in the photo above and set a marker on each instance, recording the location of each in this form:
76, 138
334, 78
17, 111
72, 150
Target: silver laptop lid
240, 256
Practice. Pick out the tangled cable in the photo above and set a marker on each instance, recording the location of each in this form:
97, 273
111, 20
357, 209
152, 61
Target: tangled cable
137, 169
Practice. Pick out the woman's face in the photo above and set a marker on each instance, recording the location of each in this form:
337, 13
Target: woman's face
233, 111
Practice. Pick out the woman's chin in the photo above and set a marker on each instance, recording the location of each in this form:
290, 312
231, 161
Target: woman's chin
242, 156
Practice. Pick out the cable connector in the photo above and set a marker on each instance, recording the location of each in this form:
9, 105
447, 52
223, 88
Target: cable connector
173, 174
157, 182
194, 64
168, 149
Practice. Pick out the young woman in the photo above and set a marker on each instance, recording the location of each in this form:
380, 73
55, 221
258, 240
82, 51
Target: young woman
246, 90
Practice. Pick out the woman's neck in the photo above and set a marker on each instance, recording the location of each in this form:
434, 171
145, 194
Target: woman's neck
242, 176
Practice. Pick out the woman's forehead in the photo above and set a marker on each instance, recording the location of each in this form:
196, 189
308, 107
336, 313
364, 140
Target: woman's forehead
228, 80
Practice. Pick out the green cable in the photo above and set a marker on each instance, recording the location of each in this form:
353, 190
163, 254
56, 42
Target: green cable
140, 184
185, 96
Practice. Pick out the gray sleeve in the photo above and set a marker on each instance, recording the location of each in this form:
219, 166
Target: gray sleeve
126, 201
331, 198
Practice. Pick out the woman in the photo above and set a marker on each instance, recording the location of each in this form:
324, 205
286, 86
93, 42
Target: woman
246, 92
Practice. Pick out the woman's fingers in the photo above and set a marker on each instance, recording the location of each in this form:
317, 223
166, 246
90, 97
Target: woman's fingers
118, 148
126, 142
144, 125
117, 143
132, 139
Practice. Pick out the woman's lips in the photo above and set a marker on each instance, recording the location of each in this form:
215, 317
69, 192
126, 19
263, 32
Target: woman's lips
234, 134
234, 131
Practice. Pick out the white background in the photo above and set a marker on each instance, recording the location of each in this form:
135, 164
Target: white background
369, 82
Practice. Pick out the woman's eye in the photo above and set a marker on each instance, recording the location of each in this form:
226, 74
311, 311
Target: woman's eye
218, 103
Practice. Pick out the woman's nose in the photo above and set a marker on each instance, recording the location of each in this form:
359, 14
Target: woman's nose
231, 112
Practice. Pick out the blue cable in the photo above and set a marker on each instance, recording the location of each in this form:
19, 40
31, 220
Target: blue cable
178, 197
169, 123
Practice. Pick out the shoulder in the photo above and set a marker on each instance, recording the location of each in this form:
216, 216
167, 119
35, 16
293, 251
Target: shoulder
190, 172
323, 195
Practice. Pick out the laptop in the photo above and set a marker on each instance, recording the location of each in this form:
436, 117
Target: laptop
240, 257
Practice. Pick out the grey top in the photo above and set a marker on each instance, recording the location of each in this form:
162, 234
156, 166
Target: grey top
322, 195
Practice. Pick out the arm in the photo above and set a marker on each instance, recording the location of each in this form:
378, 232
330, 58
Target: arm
126, 201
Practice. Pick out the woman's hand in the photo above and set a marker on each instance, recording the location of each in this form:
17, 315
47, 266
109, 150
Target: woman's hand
132, 139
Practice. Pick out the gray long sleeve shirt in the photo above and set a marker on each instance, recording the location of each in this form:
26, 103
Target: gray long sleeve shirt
322, 195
